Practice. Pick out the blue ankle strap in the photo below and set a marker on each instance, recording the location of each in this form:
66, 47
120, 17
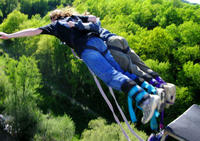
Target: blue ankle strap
132, 93
149, 87
131, 111
153, 121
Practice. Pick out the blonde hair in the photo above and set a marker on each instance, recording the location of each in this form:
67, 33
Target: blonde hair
62, 13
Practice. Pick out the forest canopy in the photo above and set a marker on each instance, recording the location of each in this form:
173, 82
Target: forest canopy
42, 85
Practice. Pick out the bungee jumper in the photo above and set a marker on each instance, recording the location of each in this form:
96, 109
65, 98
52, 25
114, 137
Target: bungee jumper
75, 31
181, 128
134, 68
102, 66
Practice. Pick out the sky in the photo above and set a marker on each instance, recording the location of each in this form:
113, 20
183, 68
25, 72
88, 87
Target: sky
194, 1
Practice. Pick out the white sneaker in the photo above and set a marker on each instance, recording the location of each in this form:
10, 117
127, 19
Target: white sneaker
161, 93
148, 108
170, 90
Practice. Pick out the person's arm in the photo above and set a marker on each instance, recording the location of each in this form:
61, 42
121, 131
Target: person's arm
88, 18
91, 27
22, 33
92, 18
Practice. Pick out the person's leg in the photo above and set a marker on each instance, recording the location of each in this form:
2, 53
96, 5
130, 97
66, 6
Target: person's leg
99, 65
126, 61
105, 71
117, 41
122, 62
130, 61
149, 88
118, 47
121, 43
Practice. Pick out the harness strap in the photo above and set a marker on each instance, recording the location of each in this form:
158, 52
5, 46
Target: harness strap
145, 97
123, 116
110, 105
135, 94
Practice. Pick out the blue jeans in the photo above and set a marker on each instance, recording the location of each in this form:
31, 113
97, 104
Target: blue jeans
104, 67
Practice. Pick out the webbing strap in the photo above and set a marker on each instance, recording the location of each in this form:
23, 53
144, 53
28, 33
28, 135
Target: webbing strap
111, 107
123, 116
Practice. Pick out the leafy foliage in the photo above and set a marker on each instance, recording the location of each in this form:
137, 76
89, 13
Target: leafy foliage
20, 85
99, 130
162, 68
191, 74
55, 128
165, 34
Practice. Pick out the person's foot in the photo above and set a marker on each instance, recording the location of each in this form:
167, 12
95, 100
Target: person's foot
148, 107
161, 93
170, 90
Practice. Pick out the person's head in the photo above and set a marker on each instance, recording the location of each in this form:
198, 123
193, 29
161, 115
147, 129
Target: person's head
62, 13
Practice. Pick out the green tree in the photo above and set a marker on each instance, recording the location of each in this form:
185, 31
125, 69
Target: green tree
174, 32
190, 75
20, 102
7, 6
190, 33
187, 53
168, 13
5, 86
154, 44
14, 19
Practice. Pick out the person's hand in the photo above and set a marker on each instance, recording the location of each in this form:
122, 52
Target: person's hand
71, 24
4, 35
92, 18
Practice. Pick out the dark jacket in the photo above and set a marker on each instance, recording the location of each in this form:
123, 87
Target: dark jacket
75, 37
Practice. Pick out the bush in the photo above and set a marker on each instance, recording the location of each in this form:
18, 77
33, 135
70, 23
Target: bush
53, 128
99, 130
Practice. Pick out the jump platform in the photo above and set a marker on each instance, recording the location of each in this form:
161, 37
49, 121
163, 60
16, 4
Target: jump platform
186, 127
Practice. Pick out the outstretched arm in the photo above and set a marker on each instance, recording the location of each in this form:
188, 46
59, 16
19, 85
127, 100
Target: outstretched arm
22, 33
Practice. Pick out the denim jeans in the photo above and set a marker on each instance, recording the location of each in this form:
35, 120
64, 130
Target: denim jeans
105, 67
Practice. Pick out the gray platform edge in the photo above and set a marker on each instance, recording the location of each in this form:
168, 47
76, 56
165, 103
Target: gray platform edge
167, 132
